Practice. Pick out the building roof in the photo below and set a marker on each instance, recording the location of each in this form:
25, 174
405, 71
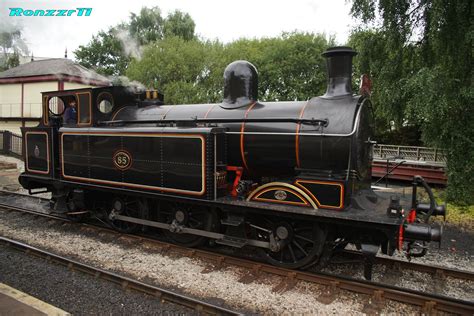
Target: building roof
61, 68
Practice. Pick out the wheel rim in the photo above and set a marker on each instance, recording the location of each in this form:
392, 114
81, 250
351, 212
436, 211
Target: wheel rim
189, 217
302, 243
73, 213
132, 207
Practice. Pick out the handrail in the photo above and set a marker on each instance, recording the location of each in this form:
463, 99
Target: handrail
388, 172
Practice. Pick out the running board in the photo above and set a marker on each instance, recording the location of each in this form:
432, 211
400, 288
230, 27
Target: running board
186, 230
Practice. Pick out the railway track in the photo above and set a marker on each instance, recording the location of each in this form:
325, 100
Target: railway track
438, 271
126, 283
376, 291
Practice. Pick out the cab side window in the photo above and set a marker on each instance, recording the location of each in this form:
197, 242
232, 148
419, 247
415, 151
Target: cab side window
56, 106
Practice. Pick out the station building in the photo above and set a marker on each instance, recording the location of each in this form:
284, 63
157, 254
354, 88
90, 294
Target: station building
21, 87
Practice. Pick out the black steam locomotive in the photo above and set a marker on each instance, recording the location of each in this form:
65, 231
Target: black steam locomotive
289, 178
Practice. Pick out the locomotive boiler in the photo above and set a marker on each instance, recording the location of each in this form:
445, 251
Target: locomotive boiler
291, 179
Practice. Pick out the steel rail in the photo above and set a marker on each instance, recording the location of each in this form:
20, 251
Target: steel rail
35, 213
430, 269
403, 295
126, 282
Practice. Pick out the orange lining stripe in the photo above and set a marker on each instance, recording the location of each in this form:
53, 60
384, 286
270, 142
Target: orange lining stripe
116, 113
45, 110
341, 196
297, 137
133, 185
242, 129
47, 152
79, 109
304, 202
209, 111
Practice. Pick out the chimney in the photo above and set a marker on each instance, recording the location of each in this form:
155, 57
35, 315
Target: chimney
339, 67
65, 53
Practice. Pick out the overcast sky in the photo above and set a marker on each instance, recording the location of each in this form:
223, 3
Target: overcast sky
223, 20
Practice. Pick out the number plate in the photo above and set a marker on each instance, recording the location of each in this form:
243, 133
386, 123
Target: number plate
122, 160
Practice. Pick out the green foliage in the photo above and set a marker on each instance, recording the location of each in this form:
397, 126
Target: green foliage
290, 67
11, 45
104, 54
13, 60
179, 24
177, 67
110, 52
420, 58
147, 27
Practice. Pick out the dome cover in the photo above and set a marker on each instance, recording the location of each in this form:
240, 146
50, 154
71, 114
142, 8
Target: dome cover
240, 84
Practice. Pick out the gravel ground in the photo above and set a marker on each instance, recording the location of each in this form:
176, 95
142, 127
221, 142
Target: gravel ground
456, 252
9, 177
182, 274
75, 292
410, 279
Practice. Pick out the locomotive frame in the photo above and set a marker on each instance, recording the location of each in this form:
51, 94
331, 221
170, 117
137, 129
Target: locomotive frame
290, 178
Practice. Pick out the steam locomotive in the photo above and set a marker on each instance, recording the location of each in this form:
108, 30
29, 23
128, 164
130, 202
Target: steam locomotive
291, 179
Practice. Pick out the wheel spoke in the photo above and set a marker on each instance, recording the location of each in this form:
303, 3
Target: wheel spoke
197, 223
292, 252
304, 238
300, 248
300, 229
195, 218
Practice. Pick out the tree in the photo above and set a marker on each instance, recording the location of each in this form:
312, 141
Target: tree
12, 45
110, 52
290, 67
179, 24
177, 67
13, 60
429, 46
146, 27
104, 53
388, 71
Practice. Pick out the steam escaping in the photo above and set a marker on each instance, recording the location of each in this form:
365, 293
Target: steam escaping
130, 45
132, 86
12, 40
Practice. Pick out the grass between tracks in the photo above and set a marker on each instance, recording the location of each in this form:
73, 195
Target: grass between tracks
462, 215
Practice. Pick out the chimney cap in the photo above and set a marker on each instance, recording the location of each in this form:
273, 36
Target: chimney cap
339, 50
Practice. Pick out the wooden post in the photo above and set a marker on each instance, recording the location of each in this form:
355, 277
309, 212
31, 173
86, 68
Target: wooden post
7, 137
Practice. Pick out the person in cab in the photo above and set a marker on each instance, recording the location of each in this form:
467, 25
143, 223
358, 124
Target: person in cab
70, 114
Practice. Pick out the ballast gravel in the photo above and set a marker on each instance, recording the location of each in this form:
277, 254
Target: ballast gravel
183, 274
75, 292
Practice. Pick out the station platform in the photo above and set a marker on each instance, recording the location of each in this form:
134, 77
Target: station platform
15, 302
